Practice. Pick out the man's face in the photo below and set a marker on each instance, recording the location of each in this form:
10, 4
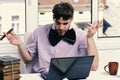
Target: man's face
62, 25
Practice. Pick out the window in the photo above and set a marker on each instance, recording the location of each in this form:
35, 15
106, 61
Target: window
21, 15
25, 15
111, 21
15, 18
109, 33
82, 14
13, 15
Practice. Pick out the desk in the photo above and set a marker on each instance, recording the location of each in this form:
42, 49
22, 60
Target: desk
94, 75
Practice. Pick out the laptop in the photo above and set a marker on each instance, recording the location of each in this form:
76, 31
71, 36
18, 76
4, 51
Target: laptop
72, 68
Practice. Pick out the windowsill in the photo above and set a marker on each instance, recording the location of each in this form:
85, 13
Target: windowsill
108, 43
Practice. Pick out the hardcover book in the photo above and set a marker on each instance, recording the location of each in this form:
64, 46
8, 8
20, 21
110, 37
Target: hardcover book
8, 60
9, 68
10, 77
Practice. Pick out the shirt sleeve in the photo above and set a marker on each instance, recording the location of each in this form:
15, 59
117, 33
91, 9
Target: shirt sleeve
31, 45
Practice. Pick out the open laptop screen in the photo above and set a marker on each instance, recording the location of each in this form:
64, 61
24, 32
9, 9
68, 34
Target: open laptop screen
70, 67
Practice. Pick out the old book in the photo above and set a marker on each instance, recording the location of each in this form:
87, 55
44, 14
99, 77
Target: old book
10, 72
8, 68
9, 77
8, 60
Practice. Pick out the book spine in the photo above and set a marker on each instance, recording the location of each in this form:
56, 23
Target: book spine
9, 68
10, 77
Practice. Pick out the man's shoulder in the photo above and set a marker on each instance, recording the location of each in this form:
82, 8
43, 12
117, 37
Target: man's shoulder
78, 30
42, 30
80, 34
43, 27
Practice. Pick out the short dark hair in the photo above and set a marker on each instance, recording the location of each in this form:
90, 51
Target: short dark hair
64, 10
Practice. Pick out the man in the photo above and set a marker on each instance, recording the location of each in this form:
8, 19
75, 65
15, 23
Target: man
59, 39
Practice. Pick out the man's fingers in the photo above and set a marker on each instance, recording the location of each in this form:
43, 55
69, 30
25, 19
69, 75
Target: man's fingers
95, 24
7, 35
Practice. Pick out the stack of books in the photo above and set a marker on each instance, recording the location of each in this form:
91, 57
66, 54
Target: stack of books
9, 68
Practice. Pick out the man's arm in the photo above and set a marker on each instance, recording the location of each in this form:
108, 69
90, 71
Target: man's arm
92, 50
15, 40
25, 55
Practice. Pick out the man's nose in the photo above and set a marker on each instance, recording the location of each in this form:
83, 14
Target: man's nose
61, 26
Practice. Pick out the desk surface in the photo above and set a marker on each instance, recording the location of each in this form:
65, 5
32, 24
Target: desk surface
94, 75
33, 76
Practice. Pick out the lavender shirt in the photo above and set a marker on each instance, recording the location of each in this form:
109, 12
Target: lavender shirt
39, 47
